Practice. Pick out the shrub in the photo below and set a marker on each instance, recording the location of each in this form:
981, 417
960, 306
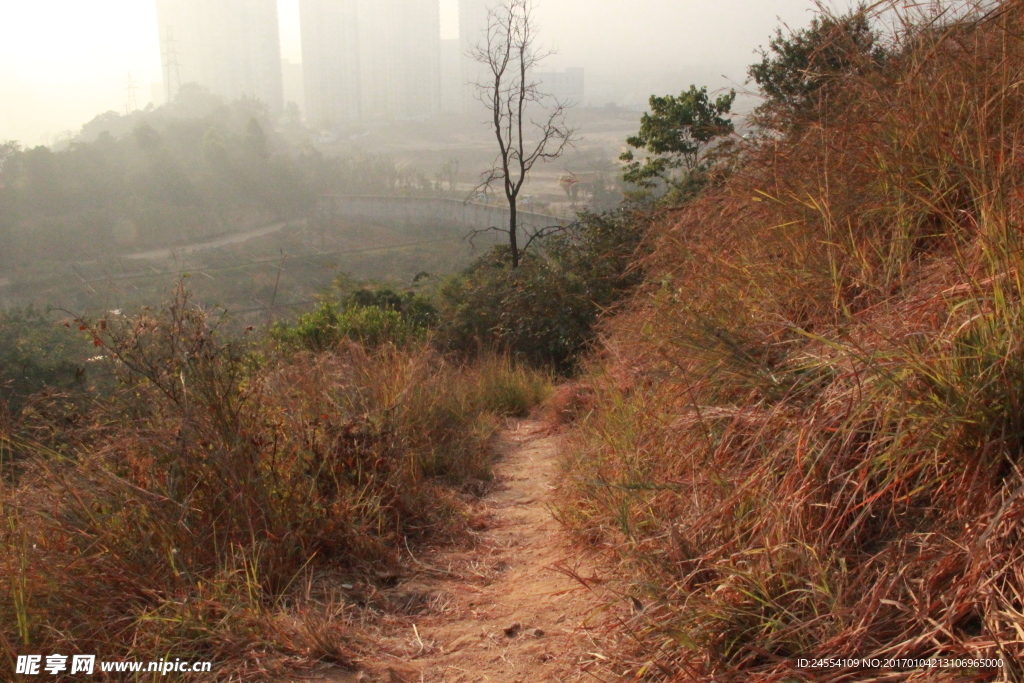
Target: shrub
798, 73
369, 317
37, 353
505, 388
544, 311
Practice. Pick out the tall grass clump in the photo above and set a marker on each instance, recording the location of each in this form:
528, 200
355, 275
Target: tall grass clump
806, 435
188, 512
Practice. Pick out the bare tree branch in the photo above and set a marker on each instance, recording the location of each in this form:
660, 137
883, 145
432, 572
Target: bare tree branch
549, 230
511, 94
477, 232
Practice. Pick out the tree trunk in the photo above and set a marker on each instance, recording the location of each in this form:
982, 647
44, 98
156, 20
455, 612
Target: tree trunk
513, 233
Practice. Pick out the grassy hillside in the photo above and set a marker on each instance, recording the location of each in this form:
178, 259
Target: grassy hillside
803, 439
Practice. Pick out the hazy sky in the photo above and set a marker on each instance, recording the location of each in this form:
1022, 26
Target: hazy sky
64, 61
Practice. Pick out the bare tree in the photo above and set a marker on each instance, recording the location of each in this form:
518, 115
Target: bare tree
509, 55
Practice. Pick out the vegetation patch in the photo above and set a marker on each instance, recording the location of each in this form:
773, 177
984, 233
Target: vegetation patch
191, 508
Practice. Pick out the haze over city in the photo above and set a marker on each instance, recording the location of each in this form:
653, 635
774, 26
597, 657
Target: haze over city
63, 62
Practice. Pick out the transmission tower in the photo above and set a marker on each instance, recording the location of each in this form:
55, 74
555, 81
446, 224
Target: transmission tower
172, 71
131, 101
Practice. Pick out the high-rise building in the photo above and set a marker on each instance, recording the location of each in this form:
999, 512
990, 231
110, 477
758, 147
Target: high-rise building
330, 61
400, 55
293, 82
371, 59
418, 29
453, 84
473, 22
231, 47
473, 17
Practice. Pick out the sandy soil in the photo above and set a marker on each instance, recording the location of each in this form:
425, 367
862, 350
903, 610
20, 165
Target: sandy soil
508, 609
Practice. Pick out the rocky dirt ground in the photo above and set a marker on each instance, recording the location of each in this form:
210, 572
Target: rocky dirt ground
515, 607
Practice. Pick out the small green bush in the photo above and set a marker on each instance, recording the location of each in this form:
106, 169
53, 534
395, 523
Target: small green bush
370, 317
545, 311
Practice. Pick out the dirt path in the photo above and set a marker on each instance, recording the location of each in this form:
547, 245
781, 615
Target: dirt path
505, 610
233, 238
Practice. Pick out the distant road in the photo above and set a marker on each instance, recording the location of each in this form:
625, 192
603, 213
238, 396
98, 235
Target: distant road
233, 238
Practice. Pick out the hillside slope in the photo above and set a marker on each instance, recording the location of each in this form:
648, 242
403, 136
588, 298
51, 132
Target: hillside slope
805, 436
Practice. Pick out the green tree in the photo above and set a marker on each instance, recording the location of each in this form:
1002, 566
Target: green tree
677, 134
255, 143
9, 155
147, 138
369, 316
795, 72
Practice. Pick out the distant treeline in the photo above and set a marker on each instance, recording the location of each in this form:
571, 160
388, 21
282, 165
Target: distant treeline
187, 170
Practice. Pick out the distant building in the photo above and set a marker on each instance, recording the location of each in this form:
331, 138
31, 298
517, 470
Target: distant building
293, 82
567, 86
401, 55
330, 61
370, 59
473, 22
230, 47
453, 84
473, 16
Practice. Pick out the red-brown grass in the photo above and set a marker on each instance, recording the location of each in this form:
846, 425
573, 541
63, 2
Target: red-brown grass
821, 454
188, 513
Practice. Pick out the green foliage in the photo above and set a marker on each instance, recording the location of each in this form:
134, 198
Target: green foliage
417, 309
545, 310
370, 317
795, 72
36, 353
8, 152
677, 134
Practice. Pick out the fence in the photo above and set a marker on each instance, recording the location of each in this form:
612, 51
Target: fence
431, 210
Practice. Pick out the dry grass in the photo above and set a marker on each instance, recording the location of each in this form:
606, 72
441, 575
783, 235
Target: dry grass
807, 437
189, 513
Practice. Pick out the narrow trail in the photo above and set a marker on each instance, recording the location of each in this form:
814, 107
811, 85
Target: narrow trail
231, 238
507, 609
